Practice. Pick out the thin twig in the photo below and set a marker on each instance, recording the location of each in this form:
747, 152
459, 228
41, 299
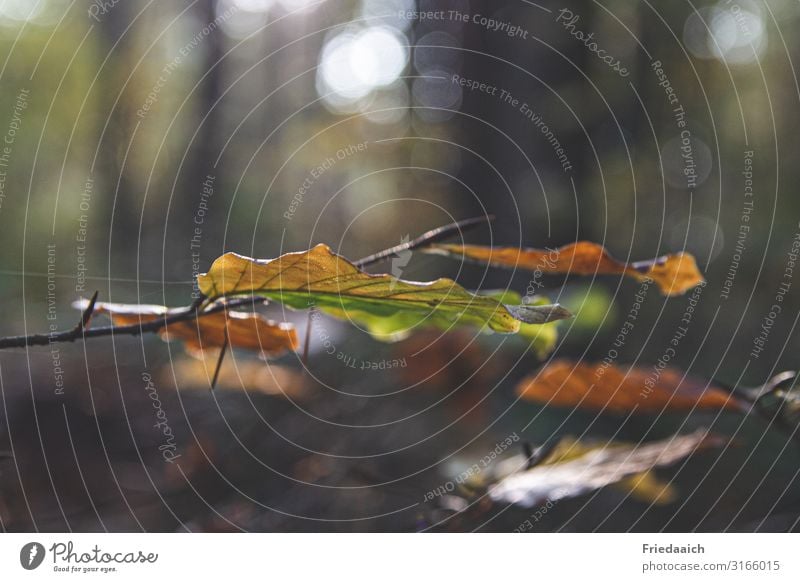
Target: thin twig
221, 357
307, 342
193, 311
536, 457
173, 316
754, 404
87, 314
528, 452
428, 238
753, 395
198, 301
773, 384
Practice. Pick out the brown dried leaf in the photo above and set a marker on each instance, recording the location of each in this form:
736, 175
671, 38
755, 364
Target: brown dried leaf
250, 331
612, 389
674, 274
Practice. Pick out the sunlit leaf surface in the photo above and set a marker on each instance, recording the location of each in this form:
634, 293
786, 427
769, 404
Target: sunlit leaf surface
386, 306
595, 467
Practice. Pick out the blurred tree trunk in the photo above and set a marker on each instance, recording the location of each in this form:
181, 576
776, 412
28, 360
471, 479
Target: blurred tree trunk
555, 71
206, 145
118, 186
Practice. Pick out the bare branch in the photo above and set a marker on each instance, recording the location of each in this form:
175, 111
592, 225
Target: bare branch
193, 311
429, 238
174, 316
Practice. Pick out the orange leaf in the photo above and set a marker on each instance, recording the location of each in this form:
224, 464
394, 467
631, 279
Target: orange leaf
609, 388
674, 274
250, 331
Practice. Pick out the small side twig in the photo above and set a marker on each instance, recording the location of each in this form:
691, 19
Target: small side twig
198, 301
535, 457
307, 341
87, 315
759, 405
774, 384
427, 238
222, 351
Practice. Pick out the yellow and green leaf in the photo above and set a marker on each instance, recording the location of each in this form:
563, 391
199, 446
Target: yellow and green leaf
384, 305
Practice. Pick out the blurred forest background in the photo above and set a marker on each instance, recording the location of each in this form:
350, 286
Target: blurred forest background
143, 139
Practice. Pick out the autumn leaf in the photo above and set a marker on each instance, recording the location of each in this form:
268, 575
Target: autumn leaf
674, 274
250, 331
387, 307
645, 486
610, 388
563, 477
